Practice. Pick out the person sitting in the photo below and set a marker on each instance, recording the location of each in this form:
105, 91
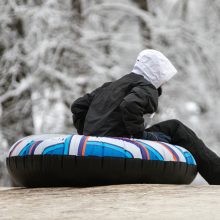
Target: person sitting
116, 109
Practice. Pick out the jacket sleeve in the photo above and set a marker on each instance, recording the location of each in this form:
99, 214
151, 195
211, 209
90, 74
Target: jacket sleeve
80, 107
141, 100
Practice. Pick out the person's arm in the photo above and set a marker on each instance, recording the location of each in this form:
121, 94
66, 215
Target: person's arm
141, 100
80, 108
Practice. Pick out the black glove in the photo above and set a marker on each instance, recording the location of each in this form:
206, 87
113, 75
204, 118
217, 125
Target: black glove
156, 136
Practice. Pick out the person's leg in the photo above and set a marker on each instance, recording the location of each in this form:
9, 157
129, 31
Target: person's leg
208, 162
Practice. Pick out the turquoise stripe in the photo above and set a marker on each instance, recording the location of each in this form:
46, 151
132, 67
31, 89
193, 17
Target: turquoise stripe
187, 155
66, 144
26, 148
128, 154
189, 158
51, 148
155, 152
106, 145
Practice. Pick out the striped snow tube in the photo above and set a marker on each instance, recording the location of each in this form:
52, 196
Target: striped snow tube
75, 160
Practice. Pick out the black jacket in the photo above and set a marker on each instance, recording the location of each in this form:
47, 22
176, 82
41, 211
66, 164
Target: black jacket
116, 108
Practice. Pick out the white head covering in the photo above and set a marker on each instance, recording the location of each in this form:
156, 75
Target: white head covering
154, 67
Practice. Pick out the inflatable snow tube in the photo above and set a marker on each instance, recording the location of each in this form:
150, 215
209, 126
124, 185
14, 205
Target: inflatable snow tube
75, 160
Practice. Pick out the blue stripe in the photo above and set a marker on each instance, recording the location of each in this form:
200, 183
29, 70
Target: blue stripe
134, 142
189, 158
26, 148
155, 152
51, 148
187, 155
119, 149
67, 144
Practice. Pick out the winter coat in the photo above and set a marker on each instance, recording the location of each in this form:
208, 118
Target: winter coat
116, 108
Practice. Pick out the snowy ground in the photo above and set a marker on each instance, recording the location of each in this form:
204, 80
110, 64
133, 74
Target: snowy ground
112, 202
199, 180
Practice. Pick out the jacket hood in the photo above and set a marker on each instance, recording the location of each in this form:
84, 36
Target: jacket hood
154, 67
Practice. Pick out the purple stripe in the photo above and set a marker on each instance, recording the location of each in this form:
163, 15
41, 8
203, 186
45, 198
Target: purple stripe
33, 148
173, 151
151, 148
143, 152
82, 141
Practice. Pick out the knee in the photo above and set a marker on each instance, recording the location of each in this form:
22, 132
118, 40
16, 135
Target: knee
178, 127
175, 123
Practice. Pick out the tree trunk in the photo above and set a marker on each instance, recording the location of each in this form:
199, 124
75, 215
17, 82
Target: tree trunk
77, 10
145, 31
184, 10
143, 4
17, 120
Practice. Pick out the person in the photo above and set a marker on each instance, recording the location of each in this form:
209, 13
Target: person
116, 109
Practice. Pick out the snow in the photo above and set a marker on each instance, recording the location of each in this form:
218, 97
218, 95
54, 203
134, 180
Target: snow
192, 107
61, 56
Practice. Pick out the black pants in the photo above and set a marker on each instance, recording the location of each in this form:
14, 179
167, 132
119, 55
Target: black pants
208, 162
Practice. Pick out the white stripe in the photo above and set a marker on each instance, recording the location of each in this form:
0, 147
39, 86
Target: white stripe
157, 147
49, 142
19, 148
179, 153
74, 144
130, 147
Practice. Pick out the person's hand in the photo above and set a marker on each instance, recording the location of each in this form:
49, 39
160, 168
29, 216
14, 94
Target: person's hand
149, 136
156, 136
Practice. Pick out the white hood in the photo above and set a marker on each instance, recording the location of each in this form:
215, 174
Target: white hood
154, 67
